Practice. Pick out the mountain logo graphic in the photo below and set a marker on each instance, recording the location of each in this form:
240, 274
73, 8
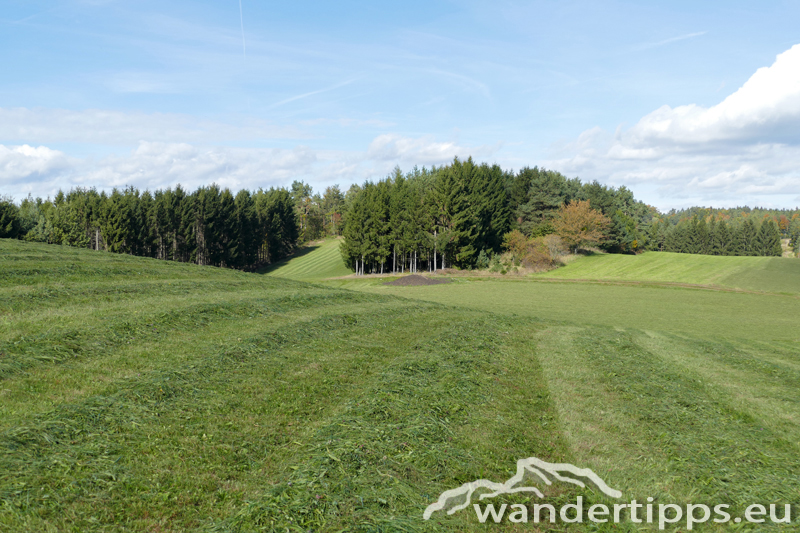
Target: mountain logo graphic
531, 468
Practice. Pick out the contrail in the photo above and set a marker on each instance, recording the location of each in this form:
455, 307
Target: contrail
241, 21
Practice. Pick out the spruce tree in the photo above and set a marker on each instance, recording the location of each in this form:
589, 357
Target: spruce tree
722, 239
713, 245
745, 241
9, 219
768, 241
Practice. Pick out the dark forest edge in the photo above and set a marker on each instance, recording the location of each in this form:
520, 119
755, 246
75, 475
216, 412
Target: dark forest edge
464, 214
460, 215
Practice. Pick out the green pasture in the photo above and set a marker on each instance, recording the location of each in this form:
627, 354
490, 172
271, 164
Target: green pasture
141, 395
313, 262
770, 274
691, 311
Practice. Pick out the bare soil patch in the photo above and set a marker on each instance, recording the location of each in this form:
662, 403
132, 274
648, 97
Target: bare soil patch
416, 280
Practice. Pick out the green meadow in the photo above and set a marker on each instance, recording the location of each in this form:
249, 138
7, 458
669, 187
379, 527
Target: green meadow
142, 395
768, 274
317, 261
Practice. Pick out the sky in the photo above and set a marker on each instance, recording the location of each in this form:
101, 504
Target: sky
685, 103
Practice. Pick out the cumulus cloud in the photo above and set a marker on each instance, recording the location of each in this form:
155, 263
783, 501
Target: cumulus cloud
155, 165
24, 163
421, 150
746, 149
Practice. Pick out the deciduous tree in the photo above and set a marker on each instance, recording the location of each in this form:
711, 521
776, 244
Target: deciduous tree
578, 224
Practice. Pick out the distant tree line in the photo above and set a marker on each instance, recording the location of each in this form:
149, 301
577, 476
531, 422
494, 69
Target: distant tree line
720, 236
785, 219
209, 226
457, 215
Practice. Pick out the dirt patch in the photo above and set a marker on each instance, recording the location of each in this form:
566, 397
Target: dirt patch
416, 280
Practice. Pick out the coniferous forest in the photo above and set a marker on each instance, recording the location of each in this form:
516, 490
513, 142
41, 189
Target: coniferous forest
456, 215
208, 227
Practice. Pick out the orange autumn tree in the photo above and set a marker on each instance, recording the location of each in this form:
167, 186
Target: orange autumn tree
578, 224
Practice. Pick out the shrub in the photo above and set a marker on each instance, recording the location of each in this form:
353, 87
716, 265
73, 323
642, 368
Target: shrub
534, 253
516, 243
555, 246
538, 255
483, 260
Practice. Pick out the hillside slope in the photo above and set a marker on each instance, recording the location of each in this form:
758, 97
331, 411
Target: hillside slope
312, 263
770, 274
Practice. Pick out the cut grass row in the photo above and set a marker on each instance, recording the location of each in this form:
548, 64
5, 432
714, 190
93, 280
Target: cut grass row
315, 262
245, 403
269, 405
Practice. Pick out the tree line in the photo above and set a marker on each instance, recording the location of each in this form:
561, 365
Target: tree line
458, 214
209, 226
454, 215
720, 236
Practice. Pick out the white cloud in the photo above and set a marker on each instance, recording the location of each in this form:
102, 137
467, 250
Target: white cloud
152, 165
421, 150
18, 163
746, 149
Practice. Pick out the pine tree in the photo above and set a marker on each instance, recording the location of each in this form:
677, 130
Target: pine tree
745, 241
794, 235
720, 238
246, 243
9, 219
768, 241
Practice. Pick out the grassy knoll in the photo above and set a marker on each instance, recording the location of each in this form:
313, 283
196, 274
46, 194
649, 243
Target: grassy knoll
312, 263
770, 274
138, 395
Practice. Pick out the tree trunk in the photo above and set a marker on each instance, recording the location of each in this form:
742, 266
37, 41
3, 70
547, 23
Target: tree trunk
435, 233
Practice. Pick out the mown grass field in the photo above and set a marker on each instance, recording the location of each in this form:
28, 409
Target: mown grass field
697, 312
138, 395
769, 274
315, 262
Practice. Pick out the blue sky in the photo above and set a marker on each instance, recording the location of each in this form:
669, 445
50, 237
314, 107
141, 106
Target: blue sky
106, 93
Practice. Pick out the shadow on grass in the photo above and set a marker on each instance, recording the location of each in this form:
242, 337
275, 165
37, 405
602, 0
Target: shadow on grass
299, 253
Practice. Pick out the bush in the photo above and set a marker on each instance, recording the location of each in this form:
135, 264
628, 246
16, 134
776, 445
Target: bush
495, 265
538, 253
483, 260
516, 243
555, 246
